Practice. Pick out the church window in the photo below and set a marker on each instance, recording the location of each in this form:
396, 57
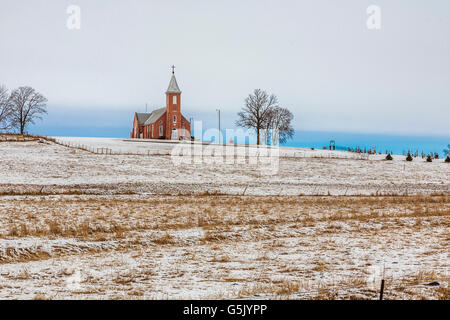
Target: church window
174, 119
174, 101
160, 130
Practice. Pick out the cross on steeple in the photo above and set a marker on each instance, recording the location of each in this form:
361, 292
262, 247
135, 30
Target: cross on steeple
173, 69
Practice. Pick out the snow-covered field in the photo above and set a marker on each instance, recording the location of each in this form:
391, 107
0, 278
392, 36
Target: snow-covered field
81, 225
50, 168
215, 246
164, 147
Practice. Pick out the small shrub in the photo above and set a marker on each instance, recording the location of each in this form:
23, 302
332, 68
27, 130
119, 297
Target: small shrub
409, 157
429, 158
447, 159
389, 157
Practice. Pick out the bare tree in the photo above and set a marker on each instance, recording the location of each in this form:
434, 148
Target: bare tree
278, 125
253, 114
5, 109
27, 106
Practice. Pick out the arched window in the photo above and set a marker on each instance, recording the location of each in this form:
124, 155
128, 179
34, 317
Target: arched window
174, 119
174, 100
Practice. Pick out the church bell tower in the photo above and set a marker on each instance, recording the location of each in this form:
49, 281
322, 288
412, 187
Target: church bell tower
173, 109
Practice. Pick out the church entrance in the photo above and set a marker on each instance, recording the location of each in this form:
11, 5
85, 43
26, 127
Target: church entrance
174, 134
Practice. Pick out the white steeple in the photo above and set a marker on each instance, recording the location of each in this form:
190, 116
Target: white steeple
173, 85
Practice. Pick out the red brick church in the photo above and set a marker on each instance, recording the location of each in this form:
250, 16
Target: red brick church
164, 123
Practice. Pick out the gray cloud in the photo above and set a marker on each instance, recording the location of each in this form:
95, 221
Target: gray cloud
317, 56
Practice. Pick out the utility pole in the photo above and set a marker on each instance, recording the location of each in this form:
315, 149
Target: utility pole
191, 119
145, 107
218, 110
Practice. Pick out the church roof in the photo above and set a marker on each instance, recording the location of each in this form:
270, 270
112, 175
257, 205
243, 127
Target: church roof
173, 86
155, 115
142, 117
148, 118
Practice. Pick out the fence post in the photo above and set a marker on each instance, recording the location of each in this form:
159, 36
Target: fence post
382, 289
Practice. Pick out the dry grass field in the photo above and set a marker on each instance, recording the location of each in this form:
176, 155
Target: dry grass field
224, 246
79, 225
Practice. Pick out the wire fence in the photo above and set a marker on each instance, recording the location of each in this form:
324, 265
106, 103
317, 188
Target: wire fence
110, 151
211, 152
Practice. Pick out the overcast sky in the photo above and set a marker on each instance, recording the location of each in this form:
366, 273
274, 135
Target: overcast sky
318, 56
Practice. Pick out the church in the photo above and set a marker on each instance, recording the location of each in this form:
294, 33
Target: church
164, 123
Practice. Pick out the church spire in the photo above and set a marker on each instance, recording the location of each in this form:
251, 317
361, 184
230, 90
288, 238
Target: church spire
173, 85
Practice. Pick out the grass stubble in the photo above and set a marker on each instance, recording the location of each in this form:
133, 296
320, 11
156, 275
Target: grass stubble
221, 246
